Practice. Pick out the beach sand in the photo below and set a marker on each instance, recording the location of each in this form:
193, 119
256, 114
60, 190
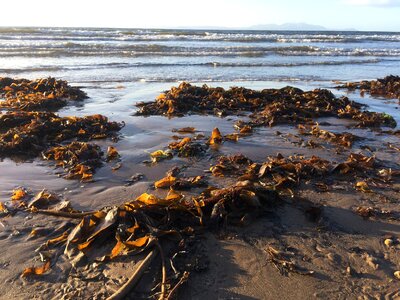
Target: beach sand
345, 251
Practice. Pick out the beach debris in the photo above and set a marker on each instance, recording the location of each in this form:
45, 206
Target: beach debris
356, 162
344, 139
4, 211
40, 94
13, 119
374, 212
284, 265
184, 130
134, 178
160, 155
165, 182
281, 173
112, 153
388, 87
269, 107
231, 165
152, 220
78, 159
192, 149
19, 194
397, 275
43, 199
388, 242
180, 144
48, 129
216, 137
363, 186
36, 270
234, 137
188, 98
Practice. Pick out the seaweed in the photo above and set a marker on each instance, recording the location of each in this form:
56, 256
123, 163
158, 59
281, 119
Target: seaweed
79, 159
40, 94
388, 87
47, 129
268, 107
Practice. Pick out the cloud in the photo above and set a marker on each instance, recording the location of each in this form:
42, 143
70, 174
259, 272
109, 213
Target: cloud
376, 3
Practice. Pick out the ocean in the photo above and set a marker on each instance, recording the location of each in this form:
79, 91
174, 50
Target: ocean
85, 55
119, 67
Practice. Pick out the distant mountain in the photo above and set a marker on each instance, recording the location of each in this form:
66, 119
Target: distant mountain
288, 26
285, 26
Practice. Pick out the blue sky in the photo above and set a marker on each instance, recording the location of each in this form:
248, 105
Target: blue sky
333, 14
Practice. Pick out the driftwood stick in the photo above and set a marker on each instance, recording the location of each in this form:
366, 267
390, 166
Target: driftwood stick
134, 279
163, 271
181, 281
64, 214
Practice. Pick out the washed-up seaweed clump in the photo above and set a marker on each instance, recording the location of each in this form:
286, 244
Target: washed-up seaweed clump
40, 94
388, 87
304, 108
282, 173
166, 226
268, 107
345, 139
28, 128
47, 129
79, 159
13, 119
151, 226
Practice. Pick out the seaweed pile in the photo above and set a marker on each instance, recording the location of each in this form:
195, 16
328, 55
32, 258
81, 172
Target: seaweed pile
28, 128
268, 107
47, 129
388, 87
79, 159
41, 94
145, 225
166, 226
170, 226
345, 139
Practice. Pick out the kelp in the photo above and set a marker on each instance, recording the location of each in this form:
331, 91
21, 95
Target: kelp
356, 163
48, 129
175, 182
40, 94
388, 87
280, 172
43, 199
144, 224
344, 139
268, 107
203, 100
78, 159
160, 155
10, 120
216, 137
231, 165
36, 270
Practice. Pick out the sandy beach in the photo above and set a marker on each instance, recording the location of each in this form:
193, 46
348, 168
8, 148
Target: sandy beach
330, 250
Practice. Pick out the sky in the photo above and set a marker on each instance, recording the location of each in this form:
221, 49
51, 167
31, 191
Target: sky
332, 14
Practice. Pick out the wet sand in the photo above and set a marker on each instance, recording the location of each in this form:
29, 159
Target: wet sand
236, 264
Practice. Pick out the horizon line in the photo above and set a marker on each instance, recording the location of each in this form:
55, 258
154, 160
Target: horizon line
205, 28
